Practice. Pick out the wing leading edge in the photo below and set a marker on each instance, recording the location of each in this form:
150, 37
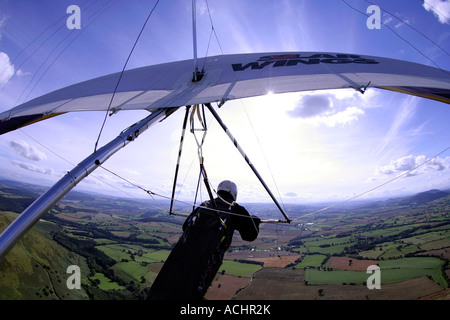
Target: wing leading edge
229, 77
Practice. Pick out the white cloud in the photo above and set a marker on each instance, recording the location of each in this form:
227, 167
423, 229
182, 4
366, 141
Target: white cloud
202, 8
349, 115
330, 109
406, 164
387, 18
312, 105
6, 68
34, 168
28, 152
21, 73
440, 8
291, 194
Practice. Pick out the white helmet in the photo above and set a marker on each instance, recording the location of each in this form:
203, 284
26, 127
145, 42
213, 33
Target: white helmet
229, 187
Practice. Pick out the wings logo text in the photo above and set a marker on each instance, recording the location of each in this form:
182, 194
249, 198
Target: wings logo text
288, 60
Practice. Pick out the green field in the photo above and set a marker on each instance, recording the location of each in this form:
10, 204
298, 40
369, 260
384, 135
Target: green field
116, 252
131, 271
311, 260
315, 277
239, 269
394, 270
407, 268
120, 247
105, 283
154, 257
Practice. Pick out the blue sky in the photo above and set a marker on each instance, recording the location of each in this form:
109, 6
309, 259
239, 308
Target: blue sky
309, 147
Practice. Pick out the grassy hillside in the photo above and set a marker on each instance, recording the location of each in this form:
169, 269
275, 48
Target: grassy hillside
121, 244
36, 267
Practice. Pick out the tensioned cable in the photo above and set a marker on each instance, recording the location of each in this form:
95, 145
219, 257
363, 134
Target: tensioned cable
121, 74
408, 42
95, 17
435, 9
190, 166
151, 193
40, 67
71, 163
196, 109
40, 46
412, 27
377, 187
37, 49
212, 26
36, 38
56, 58
213, 31
64, 49
263, 153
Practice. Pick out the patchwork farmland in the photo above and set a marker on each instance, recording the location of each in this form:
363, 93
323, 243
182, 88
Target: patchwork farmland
121, 244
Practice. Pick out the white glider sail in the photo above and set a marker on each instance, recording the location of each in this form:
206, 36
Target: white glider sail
228, 77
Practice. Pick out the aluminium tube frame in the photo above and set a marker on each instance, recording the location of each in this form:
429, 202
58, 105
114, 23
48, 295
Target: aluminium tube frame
179, 158
17, 229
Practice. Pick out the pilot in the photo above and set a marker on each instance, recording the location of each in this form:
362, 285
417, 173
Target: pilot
198, 254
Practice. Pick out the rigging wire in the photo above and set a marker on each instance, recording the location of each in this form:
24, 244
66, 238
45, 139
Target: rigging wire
412, 27
71, 163
212, 27
209, 187
174, 198
377, 187
39, 69
36, 38
204, 129
63, 26
37, 49
435, 9
396, 33
121, 74
59, 54
263, 153
64, 49
213, 31
152, 194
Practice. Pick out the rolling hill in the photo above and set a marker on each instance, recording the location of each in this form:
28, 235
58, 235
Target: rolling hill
120, 245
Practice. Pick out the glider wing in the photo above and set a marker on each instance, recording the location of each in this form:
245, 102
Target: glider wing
229, 77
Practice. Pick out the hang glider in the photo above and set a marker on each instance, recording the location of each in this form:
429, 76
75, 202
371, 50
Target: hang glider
162, 89
228, 77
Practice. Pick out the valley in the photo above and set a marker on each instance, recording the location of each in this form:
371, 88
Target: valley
120, 245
